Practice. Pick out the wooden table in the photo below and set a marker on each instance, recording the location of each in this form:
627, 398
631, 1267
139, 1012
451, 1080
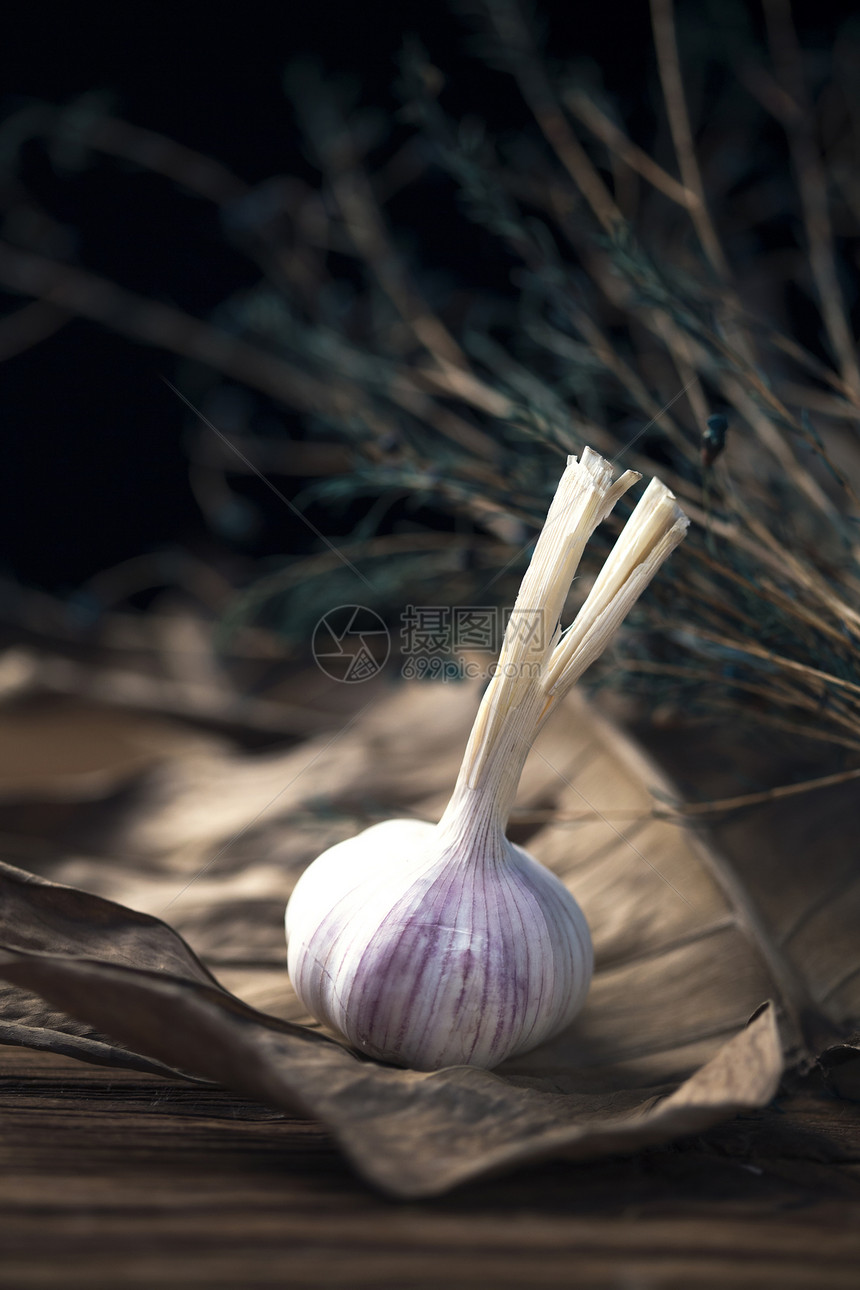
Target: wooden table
113, 1179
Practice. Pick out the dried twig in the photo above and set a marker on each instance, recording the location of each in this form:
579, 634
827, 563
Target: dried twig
797, 117
725, 804
665, 40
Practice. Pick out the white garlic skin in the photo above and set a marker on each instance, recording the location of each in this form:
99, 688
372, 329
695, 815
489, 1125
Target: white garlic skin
418, 955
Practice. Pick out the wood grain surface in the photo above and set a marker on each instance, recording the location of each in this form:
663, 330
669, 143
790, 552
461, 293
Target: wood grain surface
114, 1179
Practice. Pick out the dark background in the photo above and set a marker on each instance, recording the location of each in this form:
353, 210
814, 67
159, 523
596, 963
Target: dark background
94, 467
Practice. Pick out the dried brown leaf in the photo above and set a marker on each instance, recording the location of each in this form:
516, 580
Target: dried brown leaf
683, 955
413, 1134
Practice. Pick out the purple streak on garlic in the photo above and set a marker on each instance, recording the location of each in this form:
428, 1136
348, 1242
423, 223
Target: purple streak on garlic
438, 945
462, 950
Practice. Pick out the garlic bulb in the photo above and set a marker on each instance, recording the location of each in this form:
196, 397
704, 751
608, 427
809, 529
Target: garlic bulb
437, 945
